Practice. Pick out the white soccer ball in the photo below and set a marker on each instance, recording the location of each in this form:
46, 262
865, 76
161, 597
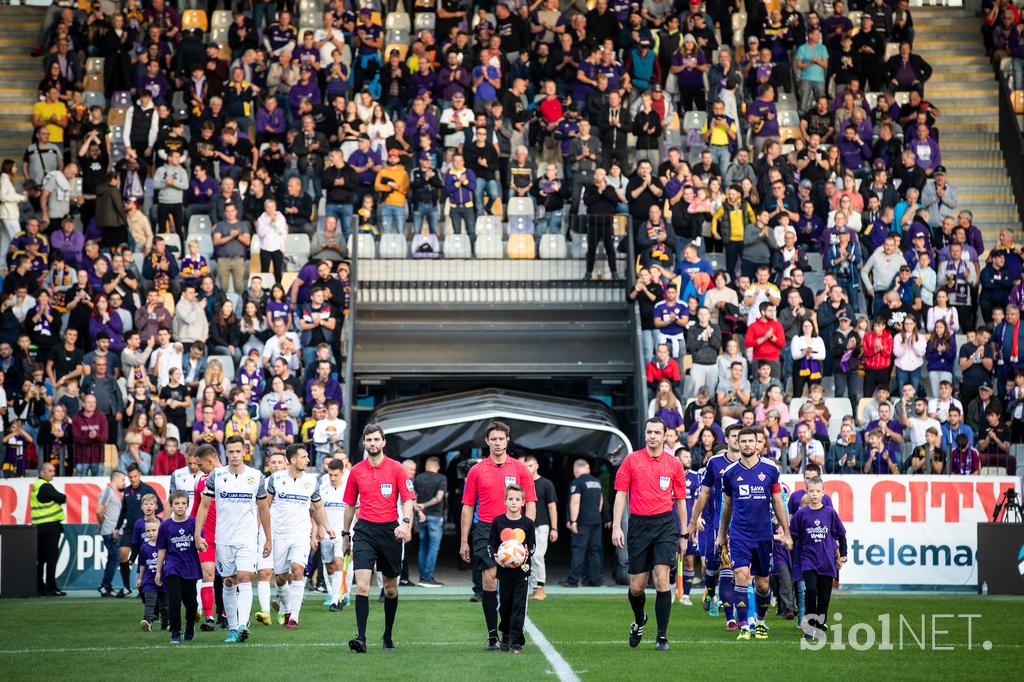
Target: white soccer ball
511, 554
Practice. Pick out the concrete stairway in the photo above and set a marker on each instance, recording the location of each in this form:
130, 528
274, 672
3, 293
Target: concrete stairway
19, 78
964, 89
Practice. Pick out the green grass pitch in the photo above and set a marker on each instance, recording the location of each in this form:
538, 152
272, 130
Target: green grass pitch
442, 638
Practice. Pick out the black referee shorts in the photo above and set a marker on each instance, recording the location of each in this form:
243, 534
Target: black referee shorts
651, 540
479, 539
375, 545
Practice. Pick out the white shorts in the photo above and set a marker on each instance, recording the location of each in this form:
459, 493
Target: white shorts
263, 563
288, 551
330, 549
234, 559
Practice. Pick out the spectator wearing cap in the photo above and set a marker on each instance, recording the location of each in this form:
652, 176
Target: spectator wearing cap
870, 44
425, 184
305, 89
392, 183
643, 66
689, 65
141, 126
277, 430
728, 224
939, 197
365, 161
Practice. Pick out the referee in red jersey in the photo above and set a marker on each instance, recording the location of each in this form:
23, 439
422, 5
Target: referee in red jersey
376, 483
655, 482
485, 493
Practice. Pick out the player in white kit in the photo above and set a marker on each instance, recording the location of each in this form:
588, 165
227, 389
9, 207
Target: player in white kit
332, 492
185, 479
265, 564
242, 506
294, 494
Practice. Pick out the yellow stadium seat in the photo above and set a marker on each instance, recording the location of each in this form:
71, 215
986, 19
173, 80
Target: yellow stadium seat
521, 247
194, 18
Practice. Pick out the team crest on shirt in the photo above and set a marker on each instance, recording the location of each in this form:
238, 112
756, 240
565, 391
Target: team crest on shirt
386, 489
181, 531
408, 484
510, 480
817, 522
664, 482
760, 477
250, 480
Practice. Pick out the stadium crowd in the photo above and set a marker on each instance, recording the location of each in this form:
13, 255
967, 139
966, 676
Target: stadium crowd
793, 221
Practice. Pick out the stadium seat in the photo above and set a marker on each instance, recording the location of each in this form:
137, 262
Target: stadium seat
488, 224
227, 362
173, 243
218, 36
521, 247
840, 407
94, 98
311, 21
310, 6
365, 246
116, 116
789, 119
94, 66
457, 246
578, 246
694, 120
393, 245
521, 206
553, 246
489, 246
520, 224
297, 246
122, 99
862, 405
117, 151
199, 224
794, 408
398, 21
194, 18
168, 299
424, 21
396, 37
221, 19
205, 245
739, 21
425, 246
785, 102
814, 259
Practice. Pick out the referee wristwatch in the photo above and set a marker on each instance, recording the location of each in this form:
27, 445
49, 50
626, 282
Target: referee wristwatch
405, 520
345, 534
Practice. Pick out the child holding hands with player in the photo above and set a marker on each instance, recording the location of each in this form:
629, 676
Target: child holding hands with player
513, 576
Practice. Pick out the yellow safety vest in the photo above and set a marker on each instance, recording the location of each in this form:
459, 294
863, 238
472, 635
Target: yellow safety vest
44, 512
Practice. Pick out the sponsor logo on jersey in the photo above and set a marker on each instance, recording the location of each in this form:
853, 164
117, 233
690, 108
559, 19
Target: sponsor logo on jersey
744, 491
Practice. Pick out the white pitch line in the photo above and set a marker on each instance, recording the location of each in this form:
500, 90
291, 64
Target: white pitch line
560, 665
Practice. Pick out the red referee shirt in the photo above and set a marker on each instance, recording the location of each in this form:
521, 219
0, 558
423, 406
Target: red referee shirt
210, 527
653, 483
486, 484
377, 489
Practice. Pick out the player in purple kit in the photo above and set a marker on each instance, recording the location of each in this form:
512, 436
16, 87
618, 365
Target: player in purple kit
752, 492
819, 552
177, 565
693, 480
706, 518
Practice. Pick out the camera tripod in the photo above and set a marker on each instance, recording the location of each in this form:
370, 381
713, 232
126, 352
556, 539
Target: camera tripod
1008, 509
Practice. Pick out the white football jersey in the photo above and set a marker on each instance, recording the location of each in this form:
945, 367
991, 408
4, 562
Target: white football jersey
184, 480
236, 496
289, 508
333, 502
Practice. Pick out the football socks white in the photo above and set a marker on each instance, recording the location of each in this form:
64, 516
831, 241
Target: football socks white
295, 598
244, 603
231, 605
263, 593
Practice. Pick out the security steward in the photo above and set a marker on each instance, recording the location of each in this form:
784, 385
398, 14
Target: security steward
655, 484
485, 493
47, 517
586, 502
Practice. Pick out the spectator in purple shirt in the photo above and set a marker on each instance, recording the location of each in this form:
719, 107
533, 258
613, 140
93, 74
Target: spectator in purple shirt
306, 88
155, 82
424, 80
69, 242
419, 121
270, 122
926, 150
854, 152
452, 78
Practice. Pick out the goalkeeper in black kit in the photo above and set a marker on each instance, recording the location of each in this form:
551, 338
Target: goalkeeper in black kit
513, 582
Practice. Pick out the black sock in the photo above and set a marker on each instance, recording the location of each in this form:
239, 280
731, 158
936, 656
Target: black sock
710, 582
762, 599
362, 613
637, 602
390, 608
218, 594
663, 611
125, 569
490, 604
540, 584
